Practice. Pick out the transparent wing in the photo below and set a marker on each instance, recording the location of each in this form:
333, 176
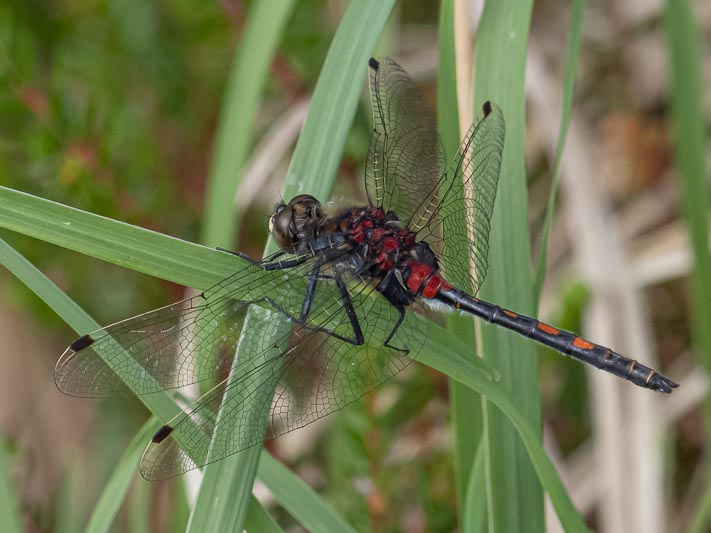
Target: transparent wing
183, 343
460, 217
287, 383
405, 174
406, 158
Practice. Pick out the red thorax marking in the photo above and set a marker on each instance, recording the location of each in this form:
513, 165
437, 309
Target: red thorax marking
377, 234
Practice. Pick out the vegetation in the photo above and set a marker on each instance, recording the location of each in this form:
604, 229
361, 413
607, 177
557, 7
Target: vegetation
126, 124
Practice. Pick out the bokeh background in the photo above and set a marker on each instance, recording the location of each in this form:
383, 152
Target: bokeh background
113, 108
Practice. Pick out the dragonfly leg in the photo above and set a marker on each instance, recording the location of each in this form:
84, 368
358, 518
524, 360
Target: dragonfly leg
401, 310
346, 300
238, 254
348, 305
357, 338
283, 265
272, 264
310, 290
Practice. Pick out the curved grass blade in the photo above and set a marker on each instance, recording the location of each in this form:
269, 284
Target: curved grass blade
571, 68
9, 508
241, 101
690, 139
466, 415
298, 498
258, 519
119, 243
516, 499
114, 492
313, 169
474, 512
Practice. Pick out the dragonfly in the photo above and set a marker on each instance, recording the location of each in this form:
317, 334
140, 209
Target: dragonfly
328, 318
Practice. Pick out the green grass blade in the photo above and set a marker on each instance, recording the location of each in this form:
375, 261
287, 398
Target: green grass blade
258, 519
298, 498
312, 169
516, 497
320, 145
571, 68
9, 508
122, 244
261, 36
465, 404
474, 512
447, 117
690, 139
141, 507
115, 490
223, 501
442, 353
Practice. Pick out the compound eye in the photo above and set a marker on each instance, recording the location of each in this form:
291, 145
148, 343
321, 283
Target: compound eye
280, 226
304, 199
277, 209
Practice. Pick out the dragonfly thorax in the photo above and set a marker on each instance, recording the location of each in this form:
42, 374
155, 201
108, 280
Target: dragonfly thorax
386, 251
368, 242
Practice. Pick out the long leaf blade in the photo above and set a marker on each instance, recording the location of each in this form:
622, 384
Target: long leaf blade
500, 66
312, 169
261, 36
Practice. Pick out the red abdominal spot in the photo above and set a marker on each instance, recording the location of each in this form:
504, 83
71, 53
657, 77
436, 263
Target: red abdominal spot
548, 329
583, 344
434, 285
418, 273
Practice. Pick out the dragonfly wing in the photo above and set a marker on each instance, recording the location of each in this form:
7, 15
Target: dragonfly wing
153, 351
461, 219
406, 157
183, 343
287, 383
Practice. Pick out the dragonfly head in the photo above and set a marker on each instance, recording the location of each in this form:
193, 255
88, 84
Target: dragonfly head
289, 220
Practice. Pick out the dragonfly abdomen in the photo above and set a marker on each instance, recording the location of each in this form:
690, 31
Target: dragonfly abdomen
562, 341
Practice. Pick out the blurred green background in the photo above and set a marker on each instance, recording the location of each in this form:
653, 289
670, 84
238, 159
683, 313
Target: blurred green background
114, 107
